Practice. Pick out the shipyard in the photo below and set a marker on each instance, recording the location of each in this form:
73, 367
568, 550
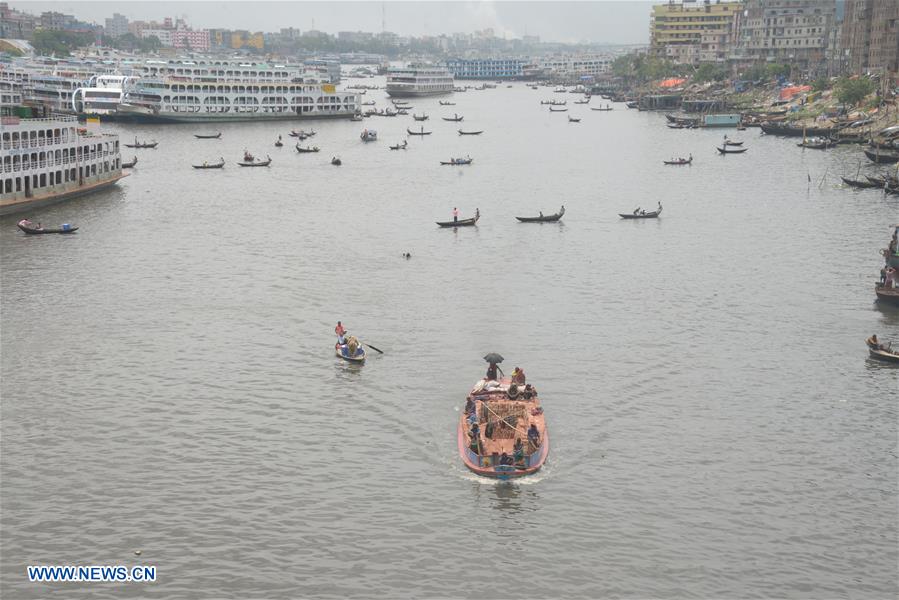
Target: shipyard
320, 298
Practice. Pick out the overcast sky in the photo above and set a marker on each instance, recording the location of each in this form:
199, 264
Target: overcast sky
603, 21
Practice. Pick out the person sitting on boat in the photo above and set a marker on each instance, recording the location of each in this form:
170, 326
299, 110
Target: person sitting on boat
637, 210
874, 343
491, 372
518, 376
642, 212
518, 451
541, 216
353, 346
505, 459
469, 406
513, 391
534, 435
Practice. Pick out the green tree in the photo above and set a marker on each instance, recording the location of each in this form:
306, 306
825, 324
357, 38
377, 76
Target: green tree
821, 84
853, 91
777, 70
60, 43
709, 72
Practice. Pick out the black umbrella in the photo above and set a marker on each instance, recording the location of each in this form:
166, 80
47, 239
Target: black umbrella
493, 358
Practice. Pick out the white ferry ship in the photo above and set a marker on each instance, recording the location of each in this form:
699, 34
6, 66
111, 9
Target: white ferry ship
189, 92
102, 96
419, 81
45, 161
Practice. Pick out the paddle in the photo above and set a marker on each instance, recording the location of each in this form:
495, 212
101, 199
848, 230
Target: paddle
373, 348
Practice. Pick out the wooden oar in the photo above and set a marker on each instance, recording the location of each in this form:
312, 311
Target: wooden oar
373, 348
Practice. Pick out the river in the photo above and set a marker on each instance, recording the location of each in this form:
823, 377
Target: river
169, 384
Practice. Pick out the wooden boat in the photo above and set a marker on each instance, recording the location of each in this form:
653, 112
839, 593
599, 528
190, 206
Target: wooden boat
279, 144
208, 137
457, 161
336, 161
504, 414
885, 355
887, 295
632, 104
422, 132
680, 161
606, 109
732, 143
257, 163
543, 218
780, 128
461, 132
573, 120
582, 102
454, 118
356, 117
858, 184
306, 150
130, 165
447, 103
551, 109
642, 215
883, 182
461, 222
301, 134
342, 351
421, 118
881, 157
400, 146
734, 151
217, 165
32, 229
368, 135
816, 143
137, 144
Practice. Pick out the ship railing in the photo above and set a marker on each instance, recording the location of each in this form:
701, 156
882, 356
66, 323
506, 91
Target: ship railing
46, 163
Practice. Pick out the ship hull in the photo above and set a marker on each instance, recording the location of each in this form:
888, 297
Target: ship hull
8, 207
157, 118
411, 94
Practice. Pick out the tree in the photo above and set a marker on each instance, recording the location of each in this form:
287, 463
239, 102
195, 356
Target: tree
60, 43
852, 91
709, 72
821, 84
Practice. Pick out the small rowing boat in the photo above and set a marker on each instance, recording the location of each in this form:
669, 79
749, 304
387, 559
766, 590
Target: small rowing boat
352, 351
859, 184
543, 218
130, 165
422, 132
887, 295
642, 214
307, 149
883, 352
32, 229
454, 118
461, 222
207, 165
213, 136
573, 120
679, 161
138, 145
461, 132
457, 161
726, 150
257, 163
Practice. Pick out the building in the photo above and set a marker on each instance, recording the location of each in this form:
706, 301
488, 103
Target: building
689, 32
871, 36
164, 35
792, 32
486, 68
571, 67
16, 25
54, 21
355, 37
245, 39
117, 25
189, 39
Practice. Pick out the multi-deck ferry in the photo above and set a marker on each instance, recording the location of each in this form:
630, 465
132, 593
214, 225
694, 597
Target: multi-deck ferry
187, 92
45, 161
419, 81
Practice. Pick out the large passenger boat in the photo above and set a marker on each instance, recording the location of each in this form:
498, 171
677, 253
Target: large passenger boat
45, 161
502, 431
419, 81
217, 91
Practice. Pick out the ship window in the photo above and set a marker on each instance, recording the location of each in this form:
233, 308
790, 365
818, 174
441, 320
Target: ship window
93, 169
59, 177
8, 186
43, 180
6, 140
18, 184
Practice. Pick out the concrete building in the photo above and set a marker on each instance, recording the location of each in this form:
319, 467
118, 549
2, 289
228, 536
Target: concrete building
569, 67
117, 25
793, 32
857, 34
245, 39
194, 40
884, 52
691, 31
164, 35
16, 25
54, 21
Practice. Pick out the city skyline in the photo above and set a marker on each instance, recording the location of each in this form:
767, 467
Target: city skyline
609, 22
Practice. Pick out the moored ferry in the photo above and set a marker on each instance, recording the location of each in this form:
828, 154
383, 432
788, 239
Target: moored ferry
419, 81
186, 92
502, 431
45, 161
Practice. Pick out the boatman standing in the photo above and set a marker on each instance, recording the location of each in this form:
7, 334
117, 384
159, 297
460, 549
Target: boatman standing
455, 215
340, 331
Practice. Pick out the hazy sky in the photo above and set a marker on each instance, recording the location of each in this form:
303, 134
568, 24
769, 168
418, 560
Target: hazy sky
610, 21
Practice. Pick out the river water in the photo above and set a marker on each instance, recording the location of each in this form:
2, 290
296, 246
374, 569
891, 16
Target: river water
169, 384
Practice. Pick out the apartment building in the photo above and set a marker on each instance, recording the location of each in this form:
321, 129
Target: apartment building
691, 31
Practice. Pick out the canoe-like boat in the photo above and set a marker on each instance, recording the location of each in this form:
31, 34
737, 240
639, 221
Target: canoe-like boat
454, 119
503, 415
887, 295
399, 146
882, 157
461, 222
642, 215
551, 109
543, 218
257, 163
573, 120
780, 128
887, 181
422, 132
306, 150
726, 150
858, 184
343, 351
582, 102
32, 229
336, 161
279, 144
130, 165
884, 355
447, 103
214, 136
217, 165
137, 144
462, 132
680, 161
420, 117
816, 144
301, 134
606, 109
732, 143
457, 161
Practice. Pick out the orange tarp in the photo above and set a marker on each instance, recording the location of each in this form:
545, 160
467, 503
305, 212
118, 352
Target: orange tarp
788, 92
673, 82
